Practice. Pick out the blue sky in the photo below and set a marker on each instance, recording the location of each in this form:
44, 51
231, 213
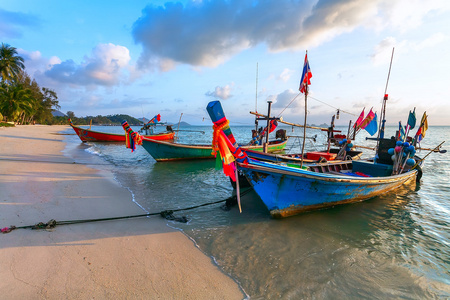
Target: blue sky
149, 57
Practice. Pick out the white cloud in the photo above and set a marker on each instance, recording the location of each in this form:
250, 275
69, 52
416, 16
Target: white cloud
105, 66
285, 75
383, 51
207, 33
432, 41
223, 93
288, 98
405, 15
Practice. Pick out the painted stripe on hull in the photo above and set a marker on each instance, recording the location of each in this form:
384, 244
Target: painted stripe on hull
167, 151
164, 151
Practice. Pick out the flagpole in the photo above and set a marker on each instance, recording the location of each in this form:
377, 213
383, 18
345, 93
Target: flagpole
304, 82
304, 127
306, 112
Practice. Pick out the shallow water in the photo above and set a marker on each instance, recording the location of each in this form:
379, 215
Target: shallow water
391, 246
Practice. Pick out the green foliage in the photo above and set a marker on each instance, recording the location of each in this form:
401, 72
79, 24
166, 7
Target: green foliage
3, 124
21, 99
119, 119
10, 63
102, 120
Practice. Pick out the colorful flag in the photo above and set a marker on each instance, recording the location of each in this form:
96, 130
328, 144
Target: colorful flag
155, 119
360, 118
367, 120
423, 128
273, 125
372, 127
412, 119
401, 132
306, 76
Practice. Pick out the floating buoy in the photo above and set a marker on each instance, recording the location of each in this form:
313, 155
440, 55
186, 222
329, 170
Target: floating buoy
410, 162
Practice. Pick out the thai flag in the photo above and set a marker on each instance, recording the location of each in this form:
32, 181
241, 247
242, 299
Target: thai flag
306, 76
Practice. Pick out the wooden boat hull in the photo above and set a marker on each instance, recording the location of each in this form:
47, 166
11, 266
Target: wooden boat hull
167, 151
87, 135
288, 191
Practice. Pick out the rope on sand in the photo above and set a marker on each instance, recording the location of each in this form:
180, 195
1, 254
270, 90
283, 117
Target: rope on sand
167, 214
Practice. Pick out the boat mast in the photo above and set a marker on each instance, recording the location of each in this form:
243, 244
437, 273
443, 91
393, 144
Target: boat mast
383, 109
266, 144
256, 99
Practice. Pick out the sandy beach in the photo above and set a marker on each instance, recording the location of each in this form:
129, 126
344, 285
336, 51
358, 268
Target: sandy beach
138, 258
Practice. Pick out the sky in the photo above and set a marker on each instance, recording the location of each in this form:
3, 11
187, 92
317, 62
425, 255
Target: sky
144, 58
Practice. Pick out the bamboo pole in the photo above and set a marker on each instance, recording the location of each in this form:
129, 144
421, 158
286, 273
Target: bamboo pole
178, 129
365, 147
434, 150
437, 147
289, 123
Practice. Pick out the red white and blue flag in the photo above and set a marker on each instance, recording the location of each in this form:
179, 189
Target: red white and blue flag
306, 75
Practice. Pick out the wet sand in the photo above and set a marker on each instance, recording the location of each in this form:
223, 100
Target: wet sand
138, 258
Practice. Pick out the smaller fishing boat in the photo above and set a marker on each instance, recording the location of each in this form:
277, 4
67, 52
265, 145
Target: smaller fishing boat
88, 135
170, 151
167, 151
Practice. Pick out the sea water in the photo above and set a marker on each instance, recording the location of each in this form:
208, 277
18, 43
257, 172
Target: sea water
392, 246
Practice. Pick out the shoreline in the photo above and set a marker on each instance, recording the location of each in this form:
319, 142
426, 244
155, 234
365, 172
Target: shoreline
132, 258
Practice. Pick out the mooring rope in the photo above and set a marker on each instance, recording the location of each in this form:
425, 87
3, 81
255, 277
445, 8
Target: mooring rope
167, 214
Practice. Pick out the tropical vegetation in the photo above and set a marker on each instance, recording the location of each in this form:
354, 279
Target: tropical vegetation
102, 120
22, 100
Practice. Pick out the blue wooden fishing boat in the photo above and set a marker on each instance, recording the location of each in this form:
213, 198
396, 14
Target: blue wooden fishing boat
287, 190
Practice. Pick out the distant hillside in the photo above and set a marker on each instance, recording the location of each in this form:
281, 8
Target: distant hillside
115, 120
106, 120
323, 125
57, 113
181, 124
143, 120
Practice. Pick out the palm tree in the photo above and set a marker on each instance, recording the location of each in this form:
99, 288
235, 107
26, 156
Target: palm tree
10, 63
16, 101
